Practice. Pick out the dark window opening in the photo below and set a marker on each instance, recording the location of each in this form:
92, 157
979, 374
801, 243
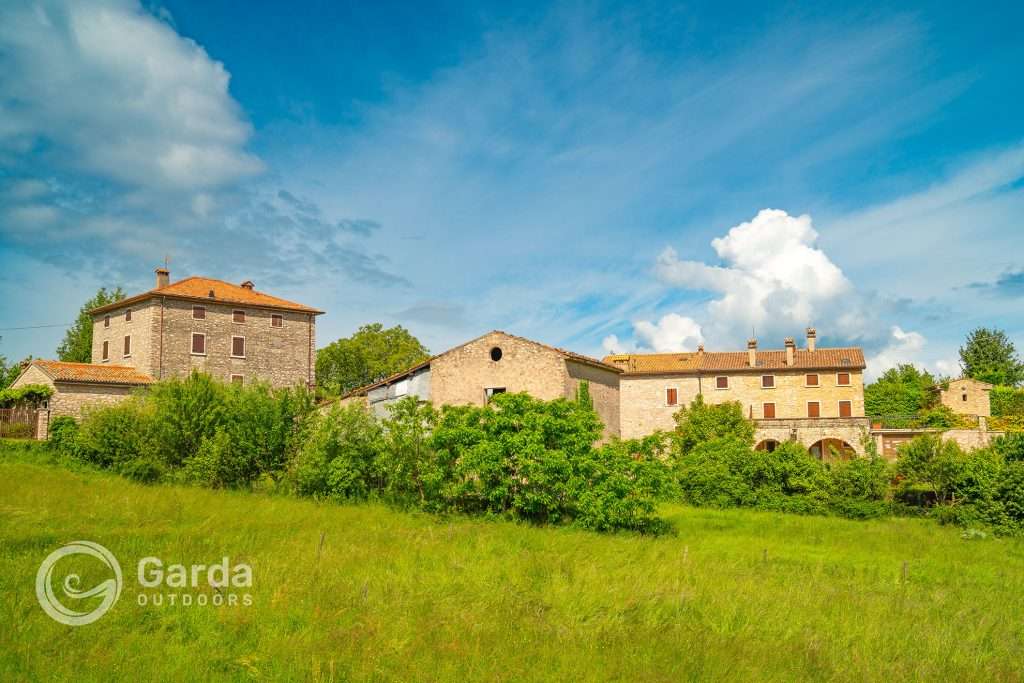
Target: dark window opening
496, 355
198, 344
490, 393
721, 382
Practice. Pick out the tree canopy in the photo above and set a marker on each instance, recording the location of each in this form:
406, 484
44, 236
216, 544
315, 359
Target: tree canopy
77, 344
903, 390
9, 371
989, 355
369, 355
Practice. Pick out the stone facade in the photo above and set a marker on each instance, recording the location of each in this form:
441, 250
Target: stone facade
644, 408
161, 330
817, 435
498, 362
967, 397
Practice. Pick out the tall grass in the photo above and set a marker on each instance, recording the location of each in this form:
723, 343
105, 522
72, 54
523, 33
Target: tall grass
736, 595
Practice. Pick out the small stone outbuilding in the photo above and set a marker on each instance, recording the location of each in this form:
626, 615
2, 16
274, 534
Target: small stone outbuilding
967, 396
77, 385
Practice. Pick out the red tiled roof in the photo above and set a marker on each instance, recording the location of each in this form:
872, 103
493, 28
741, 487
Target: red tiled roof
851, 358
60, 371
199, 288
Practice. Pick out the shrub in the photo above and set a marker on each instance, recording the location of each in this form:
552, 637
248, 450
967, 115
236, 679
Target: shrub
113, 435
411, 471
701, 423
1007, 402
63, 436
26, 395
932, 464
340, 454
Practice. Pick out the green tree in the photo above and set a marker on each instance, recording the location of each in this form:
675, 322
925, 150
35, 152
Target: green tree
702, 422
903, 391
989, 355
371, 354
77, 344
10, 371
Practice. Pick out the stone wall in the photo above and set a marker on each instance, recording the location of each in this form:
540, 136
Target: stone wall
604, 392
74, 398
643, 407
967, 397
141, 330
282, 356
809, 431
790, 395
462, 375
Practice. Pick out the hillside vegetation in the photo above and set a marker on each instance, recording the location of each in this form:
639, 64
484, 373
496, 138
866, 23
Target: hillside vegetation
735, 594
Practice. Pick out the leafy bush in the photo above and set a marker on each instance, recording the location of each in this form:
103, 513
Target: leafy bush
63, 436
1007, 402
340, 455
701, 423
27, 395
931, 464
112, 436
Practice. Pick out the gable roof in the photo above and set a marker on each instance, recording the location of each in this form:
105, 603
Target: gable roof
88, 373
568, 355
851, 358
200, 289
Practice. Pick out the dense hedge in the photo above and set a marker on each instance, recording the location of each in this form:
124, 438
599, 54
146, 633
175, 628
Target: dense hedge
517, 457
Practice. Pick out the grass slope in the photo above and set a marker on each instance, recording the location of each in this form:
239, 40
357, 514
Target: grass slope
413, 597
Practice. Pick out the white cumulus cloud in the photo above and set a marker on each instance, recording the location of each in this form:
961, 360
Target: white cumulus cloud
903, 347
119, 93
673, 332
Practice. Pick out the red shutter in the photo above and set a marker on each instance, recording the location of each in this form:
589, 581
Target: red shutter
127, 346
276, 321
843, 379
813, 409
671, 396
769, 411
845, 409
198, 343
238, 346
238, 316
722, 382
106, 347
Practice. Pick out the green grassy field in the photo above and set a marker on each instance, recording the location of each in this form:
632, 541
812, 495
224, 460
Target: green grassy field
395, 596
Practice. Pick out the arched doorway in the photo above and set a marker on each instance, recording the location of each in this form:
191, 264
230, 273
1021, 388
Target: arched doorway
832, 449
767, 445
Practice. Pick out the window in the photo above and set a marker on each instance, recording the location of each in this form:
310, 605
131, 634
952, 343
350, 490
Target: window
767, 381
198, 344
965, 397
843, 379
237, 379
768, 410
106, 350
128, 316
496, 354
671, 396
489, 393
812, 380
238, 316
199, 312
276, 320
845, 409
238, 347
127, 346
721, 383
106, 321
813, 409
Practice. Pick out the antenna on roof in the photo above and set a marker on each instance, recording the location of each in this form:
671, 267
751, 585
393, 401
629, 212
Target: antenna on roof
167, 261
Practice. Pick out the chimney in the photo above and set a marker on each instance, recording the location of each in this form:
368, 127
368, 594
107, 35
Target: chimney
163, 277
812, 338
700, 349
790, 350
248, 284
752, 352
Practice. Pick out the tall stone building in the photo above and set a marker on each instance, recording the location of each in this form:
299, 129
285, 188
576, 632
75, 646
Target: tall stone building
495, 363
811, 395
232, 332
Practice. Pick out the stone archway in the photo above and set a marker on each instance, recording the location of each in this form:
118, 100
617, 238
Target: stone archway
831, 449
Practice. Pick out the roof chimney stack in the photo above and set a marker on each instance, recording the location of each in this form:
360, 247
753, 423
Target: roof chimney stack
790, 351
163, 277
812, 339
752, 352
248, 284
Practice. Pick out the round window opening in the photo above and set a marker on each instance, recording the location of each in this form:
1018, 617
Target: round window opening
496, 353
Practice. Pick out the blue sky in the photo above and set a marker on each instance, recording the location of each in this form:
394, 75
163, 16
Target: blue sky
648, 176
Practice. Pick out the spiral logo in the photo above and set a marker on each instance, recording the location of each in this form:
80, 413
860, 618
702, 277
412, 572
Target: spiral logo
110, 589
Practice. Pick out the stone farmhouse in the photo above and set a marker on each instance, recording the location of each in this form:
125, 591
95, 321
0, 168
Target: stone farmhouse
495, 363
811, 395
232, 332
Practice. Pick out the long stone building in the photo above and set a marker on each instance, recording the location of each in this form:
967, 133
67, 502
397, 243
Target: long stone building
811, 395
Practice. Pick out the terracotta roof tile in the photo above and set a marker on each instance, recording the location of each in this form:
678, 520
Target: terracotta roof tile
199, 288
59, 371
718, 361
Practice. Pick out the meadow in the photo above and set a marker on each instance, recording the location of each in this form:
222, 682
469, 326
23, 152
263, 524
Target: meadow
365, 592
